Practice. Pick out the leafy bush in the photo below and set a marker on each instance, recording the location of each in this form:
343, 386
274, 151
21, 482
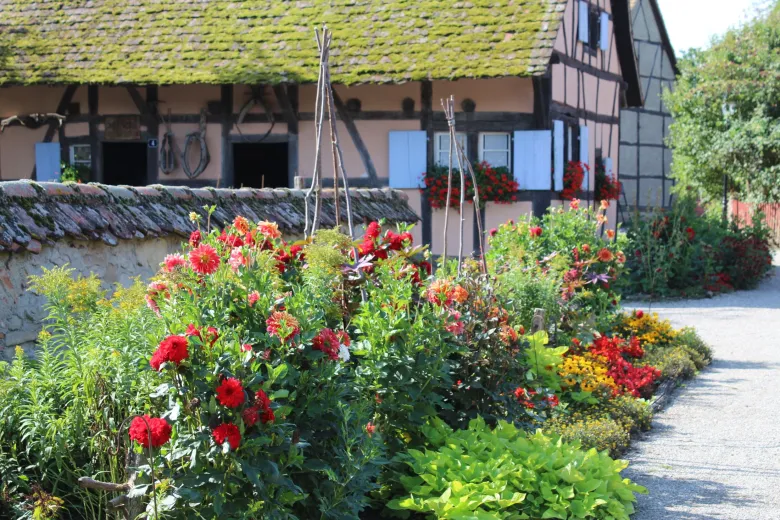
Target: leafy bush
679, 252
507, 473
591, 430
673, 362
59, 411
690, 339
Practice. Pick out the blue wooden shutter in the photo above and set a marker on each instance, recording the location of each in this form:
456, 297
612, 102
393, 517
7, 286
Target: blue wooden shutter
584, 33
47, 161
608, 166
558, 154
533, 159
407, 161
584, 152
604, 26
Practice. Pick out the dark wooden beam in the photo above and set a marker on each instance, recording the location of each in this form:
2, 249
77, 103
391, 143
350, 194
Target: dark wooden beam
153, 127
542, 102
589, 69
57, 126
226, 103
346, 118
139, 102
426, 124
94, 142
560, 111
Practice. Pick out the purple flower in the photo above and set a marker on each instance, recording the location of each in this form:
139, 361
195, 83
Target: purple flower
596, 278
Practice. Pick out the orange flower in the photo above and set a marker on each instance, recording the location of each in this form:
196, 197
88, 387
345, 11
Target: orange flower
605, 255
507, 334
459, 294
269, 230
604, 204
574, 204
621, 258
282, 325
601, 219
610, 234
241, 224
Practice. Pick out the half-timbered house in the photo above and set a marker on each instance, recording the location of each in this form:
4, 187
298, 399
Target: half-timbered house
137, 92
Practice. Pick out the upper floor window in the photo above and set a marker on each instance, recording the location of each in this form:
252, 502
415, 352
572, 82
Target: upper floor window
494, 148
593, 26
442, 148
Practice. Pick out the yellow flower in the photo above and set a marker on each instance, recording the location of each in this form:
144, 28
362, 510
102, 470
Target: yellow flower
194, 217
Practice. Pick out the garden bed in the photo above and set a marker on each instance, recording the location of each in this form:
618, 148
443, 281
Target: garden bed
252, 378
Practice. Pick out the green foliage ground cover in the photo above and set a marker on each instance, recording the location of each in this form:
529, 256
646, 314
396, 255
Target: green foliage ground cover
288, 381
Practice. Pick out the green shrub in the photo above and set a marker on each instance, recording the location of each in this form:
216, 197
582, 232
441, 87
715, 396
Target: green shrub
688, 337
591, 429
60, 410
507, 473
673, 362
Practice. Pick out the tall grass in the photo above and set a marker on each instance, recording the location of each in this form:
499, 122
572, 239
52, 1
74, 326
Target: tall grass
60, 409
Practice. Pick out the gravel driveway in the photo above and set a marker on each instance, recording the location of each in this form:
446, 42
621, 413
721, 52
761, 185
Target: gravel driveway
714, 453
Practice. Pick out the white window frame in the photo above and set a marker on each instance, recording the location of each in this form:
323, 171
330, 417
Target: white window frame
72, 155
438, 152
508, 150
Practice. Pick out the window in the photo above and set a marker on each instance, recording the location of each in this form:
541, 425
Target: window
442, 148
494, 148
571, 149
81, 155
594, 26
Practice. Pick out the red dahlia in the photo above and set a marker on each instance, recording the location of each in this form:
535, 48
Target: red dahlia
173, 349
140, 427
204, 259
230, 393
195, 237
328, 342
227, 432
282, 325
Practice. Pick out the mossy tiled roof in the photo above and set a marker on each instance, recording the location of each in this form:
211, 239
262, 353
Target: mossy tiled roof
271, 41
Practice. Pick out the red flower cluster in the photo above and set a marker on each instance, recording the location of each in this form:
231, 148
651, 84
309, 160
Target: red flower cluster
607, 186
261, 410
230, 393
527, 398
227, 432
494, 185
630, 379
535, 231
573, 177
140, 427
327, 341
173, 349
230, 240
392, 241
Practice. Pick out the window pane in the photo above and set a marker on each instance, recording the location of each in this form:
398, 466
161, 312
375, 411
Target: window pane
82, 153
495, 141
461, 138
496, 158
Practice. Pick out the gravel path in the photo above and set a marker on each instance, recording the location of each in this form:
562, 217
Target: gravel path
714, 453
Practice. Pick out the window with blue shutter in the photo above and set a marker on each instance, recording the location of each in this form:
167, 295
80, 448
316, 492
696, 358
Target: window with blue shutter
533, 159
47, 161
604, 26
407, 161
584, 18
584, 153
558, 154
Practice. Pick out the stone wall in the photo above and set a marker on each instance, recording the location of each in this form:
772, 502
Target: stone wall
21, 311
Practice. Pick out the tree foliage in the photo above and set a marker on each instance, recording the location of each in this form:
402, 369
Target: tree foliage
726, 115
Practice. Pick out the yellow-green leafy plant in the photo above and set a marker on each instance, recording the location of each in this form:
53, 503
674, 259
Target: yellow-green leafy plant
507, 473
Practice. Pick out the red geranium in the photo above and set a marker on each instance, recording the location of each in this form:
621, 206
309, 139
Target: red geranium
204, 259
140, 427
227, 432
535, 231
230, 393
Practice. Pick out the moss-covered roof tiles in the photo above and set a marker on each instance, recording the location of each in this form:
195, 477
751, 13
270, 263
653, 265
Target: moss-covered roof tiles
271, 41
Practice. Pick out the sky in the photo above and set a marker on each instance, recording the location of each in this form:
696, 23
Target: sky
691, 23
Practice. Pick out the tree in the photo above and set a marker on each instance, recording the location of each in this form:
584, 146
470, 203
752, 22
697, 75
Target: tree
726, 114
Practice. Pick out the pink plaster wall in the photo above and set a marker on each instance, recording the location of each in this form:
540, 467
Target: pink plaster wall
490, 95
374, 135
437, 227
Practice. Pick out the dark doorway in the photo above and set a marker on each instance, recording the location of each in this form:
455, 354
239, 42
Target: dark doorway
257, 165
124, 163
